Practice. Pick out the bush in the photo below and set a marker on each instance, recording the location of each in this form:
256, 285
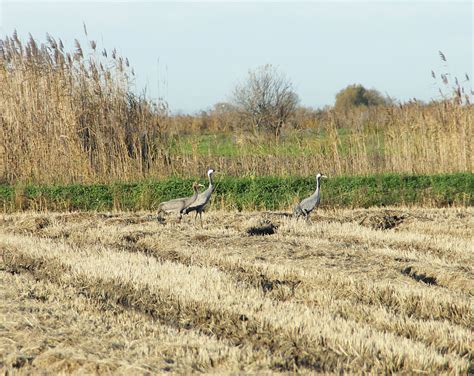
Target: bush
357, 95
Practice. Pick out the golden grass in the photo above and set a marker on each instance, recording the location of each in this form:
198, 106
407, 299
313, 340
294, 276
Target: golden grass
329, 296
72, 117
62, 111
54, 329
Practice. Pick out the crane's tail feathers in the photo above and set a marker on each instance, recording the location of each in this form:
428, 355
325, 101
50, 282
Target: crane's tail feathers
297, 211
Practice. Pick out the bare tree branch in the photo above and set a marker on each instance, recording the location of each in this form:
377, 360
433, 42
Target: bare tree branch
266, 99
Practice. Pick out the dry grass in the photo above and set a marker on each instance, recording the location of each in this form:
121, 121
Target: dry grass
72, 117
122, 293
71, 113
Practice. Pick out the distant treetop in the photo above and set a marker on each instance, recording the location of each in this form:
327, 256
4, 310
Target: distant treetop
356, 95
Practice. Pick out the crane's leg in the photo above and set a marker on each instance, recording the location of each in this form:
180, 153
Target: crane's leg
200, 217
195, 217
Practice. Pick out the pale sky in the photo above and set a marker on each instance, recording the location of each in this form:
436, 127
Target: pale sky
194, 53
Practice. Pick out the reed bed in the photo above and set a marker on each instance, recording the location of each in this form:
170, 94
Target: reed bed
73, 117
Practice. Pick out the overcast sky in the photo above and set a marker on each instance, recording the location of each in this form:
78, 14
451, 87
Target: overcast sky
193, 53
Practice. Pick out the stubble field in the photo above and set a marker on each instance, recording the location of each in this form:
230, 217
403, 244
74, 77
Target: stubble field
376, 290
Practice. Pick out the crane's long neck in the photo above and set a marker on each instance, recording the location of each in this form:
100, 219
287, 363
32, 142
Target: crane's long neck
211, 184
317, 184
196, 191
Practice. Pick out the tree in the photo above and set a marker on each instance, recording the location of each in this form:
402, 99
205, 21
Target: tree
224, 117
357, 95
266, 99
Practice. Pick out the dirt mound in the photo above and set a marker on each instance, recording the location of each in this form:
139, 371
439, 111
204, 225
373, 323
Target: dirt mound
383, 221
33, 225
420, 277
263, 227
134, 237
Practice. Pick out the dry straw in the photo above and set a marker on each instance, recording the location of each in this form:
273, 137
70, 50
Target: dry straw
353, 299
73, 117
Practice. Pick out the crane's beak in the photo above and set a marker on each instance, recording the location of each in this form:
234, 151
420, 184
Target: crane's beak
324, 176
200, 186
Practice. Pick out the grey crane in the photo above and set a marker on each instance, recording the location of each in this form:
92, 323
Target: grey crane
202, 199
178, 205
305, 207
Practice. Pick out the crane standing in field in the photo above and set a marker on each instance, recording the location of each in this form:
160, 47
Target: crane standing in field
305, 207
178, 205
202, 199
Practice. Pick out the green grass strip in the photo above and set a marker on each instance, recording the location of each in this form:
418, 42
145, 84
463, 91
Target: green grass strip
260, 193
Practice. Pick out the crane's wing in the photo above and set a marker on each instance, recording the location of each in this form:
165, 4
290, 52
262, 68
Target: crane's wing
297, 211
201, 201
309, 203
172, 205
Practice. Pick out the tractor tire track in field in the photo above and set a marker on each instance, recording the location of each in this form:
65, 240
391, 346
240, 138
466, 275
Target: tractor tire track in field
236, 328
354, 301
52, 327
287, 284
437, 317
294, 352
355, 288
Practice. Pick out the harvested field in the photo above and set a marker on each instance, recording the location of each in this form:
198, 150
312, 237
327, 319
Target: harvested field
374, 290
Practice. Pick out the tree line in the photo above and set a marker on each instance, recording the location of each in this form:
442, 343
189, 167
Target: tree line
266, 99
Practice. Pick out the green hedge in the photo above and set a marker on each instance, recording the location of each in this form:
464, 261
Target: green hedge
270, 193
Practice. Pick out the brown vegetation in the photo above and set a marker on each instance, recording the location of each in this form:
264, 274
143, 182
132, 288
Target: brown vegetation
122, 293
266, 100
73, 117
356, 96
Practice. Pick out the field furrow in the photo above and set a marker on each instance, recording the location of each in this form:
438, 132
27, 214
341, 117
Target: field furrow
304, 298
394, 281
51, 326
179, 294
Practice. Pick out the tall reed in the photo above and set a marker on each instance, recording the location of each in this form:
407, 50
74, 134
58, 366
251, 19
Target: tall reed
73, 117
